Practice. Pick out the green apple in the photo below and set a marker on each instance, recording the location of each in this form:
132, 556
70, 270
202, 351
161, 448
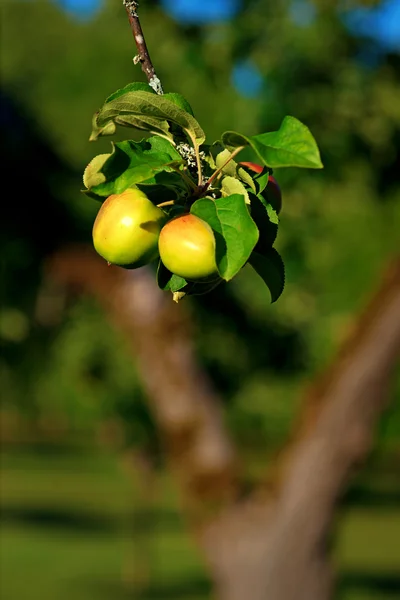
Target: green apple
187, 248
127, 228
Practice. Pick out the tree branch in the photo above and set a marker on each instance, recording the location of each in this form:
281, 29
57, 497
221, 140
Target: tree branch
336, 428
143, 54
181, 397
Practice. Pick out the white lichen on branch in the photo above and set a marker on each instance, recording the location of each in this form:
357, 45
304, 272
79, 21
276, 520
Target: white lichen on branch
155, 83
143, 56
188, 153
132, 6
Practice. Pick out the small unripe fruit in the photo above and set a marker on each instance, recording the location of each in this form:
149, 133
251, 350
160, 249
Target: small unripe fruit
127, 228
187, 248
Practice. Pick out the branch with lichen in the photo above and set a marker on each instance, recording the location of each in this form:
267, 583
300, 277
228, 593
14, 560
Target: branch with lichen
143, 56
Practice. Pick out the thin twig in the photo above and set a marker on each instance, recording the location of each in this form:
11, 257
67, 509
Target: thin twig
143, 53
219, 171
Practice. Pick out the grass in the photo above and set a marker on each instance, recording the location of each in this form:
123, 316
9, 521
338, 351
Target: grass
76, 527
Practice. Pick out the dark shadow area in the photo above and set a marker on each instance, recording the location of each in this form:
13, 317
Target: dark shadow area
372, 498
176, 590
274, 347
384, 583
34, 222
57, 518
172, 590
139, 522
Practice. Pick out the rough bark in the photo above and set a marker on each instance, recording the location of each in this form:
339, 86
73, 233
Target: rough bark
273, 544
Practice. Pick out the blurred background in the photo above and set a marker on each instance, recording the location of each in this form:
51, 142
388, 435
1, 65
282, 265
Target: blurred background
89, 508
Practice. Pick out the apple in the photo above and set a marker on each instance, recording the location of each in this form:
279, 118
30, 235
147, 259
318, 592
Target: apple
187, 248
252, 166
127, 228
272, 192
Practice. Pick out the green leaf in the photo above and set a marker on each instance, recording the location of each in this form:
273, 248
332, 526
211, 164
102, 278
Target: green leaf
235, 232
271, 269
152, 125
197, 288
231, 185
162, 145
212, 151
93, 196
134, 162
232, 140
145, 124
261, 180
131, 87
92, 175
146, 107
266, 220
246, 178
167, 281
291, 146
180, 101
176, 209
97, 131
164, 187
230, 167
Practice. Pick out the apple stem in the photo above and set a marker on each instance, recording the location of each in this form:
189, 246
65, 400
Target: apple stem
143, 56
167, 203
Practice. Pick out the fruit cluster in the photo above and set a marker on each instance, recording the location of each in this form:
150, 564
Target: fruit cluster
174, 198
130, 231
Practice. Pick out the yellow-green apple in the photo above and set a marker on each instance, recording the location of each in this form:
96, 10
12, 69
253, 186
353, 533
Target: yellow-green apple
187, 248
127, 228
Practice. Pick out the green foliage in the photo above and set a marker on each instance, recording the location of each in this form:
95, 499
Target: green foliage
269, 266
291, 146
232, 185
134, 162
236, 233
145, 110
218, 190
168, 281
135, 86
180, 101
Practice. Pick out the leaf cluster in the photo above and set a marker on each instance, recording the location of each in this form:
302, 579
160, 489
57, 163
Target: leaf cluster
180, 172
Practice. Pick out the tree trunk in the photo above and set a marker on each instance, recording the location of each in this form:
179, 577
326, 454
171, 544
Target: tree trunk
276, 545
272, 545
